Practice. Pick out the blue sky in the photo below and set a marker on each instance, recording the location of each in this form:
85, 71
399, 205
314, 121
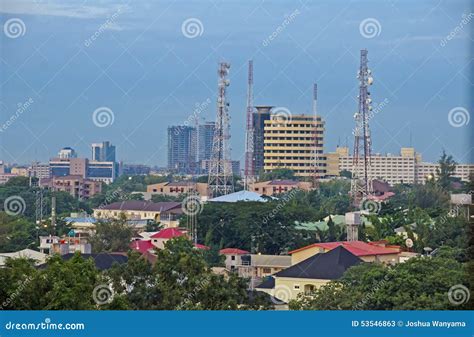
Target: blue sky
150, 75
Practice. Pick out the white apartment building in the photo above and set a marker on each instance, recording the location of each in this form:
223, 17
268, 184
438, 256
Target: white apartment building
407, 167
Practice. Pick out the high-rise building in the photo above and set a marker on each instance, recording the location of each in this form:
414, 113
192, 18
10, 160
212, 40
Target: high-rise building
104, 151
259, 117
67, 153
182, 149
205, 136
294, 143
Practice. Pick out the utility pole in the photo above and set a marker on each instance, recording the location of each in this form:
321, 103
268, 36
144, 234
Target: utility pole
220, 178
361, 183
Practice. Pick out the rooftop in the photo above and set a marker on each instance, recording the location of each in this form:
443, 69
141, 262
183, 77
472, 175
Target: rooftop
326, 266
358, 248
138, 205
239, 196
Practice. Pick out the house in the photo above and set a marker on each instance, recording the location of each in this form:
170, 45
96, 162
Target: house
368, 252
275, 187
46, 243
38, 257
167, 213
309, 274
159, 239
254, 266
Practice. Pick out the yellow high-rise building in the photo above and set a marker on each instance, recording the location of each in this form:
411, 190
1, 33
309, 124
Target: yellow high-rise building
295, 143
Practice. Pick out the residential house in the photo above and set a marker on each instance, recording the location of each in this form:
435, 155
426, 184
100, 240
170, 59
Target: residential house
38, 257
275, 187
179, 188
309, 274
368, 252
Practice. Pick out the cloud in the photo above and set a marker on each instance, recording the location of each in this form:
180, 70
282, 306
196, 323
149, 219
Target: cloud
70, 9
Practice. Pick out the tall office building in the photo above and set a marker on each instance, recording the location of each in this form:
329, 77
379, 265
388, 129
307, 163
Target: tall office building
182, 149
205, 136
261, 115
295, 143
67, 153
104, 151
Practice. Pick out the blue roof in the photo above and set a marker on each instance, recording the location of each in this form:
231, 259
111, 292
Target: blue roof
239, 196
89, 220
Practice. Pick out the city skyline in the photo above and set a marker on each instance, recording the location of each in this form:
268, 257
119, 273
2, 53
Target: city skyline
148, 85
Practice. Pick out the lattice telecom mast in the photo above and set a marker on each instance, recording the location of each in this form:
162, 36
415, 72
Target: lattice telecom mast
316, 155
220, 170
249, 171
361, 183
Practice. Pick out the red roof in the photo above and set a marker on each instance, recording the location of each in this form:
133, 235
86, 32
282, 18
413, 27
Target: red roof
234, 251
141, 246
167, 233
358, 248
203, 247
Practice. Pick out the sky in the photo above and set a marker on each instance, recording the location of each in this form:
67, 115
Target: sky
77, 72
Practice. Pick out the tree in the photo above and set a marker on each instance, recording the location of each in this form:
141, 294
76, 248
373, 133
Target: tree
445, 171
112, 235
280, 173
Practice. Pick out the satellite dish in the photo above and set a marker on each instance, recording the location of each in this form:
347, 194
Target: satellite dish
370, 80
409, 243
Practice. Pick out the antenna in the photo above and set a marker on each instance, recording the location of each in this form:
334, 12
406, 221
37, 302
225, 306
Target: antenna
361, 183
249, 172
220, 170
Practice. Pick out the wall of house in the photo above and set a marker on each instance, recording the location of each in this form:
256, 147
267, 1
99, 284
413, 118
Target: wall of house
287, 288
304, 254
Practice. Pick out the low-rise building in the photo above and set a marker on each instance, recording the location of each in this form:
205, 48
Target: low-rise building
37, 257
76, 186
275, 187
166, 213
179, 188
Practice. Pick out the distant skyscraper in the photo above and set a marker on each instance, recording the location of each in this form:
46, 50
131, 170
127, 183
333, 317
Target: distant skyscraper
104, 151
67, 153
205, 136
182, 149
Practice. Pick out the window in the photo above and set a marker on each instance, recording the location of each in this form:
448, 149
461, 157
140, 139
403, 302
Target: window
232, 257
296, 287
267, 270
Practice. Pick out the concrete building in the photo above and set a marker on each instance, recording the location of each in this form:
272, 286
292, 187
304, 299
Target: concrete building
19, 171
39, 170
104, 151
275, 187
205, 137
261, 115
293, 144
75, 185
182, 149
94, 170
67, 153
178, 188
406, 167
167, 213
